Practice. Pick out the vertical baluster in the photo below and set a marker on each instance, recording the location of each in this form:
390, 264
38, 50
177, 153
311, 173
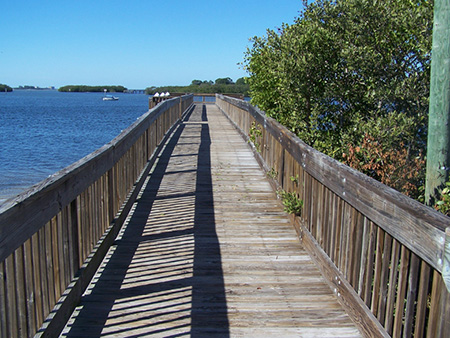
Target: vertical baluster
384, 278
422, 299
21, 307
402, 285
11, 300
3, 302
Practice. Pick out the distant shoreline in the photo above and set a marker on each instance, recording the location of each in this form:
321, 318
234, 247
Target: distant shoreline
37, 89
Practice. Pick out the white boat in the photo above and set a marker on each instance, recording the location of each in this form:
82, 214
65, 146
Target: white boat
110, 98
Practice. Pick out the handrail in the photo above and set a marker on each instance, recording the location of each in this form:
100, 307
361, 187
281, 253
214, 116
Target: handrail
198, 98
53, 237
381, 251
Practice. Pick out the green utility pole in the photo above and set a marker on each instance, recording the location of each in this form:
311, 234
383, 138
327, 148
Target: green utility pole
438, 153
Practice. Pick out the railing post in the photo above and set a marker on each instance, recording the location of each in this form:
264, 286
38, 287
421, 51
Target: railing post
74, 238
52, 224
446, 259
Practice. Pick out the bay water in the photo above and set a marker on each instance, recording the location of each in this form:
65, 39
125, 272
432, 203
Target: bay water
44, 131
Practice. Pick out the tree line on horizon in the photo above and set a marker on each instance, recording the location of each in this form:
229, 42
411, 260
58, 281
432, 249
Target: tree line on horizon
92, 89
220, 85
5, 88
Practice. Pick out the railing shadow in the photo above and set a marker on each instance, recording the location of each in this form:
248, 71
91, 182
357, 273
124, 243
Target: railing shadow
208, 298
164, 275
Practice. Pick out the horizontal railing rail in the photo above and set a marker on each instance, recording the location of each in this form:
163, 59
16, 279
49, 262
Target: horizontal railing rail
198, 98
54, 236
381, 252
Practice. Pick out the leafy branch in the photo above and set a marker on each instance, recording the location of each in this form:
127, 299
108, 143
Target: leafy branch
291, 202
254, 135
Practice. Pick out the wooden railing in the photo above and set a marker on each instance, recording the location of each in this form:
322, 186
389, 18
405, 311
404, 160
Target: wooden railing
198, 98
381, 252
54, 236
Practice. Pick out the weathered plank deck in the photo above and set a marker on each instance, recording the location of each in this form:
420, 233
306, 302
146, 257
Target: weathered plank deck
208, 251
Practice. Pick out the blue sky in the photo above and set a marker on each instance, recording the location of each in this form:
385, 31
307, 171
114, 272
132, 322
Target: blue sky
132, 43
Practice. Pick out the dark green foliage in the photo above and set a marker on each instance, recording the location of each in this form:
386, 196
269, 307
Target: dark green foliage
225, 85
5, 88
345, 70
291, 202
443, 205
254, 136
82, 88
225, 81
240, 82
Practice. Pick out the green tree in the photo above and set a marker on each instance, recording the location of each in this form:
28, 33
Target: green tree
346, 70
225, 81
5, 88
223, 85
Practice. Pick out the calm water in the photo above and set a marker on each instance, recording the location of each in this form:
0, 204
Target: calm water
42, 132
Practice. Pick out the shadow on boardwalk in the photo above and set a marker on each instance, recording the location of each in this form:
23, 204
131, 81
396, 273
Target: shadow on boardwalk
164, 275
168, 276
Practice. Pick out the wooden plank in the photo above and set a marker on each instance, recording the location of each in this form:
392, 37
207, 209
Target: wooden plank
411, 295
339, 218
38, 300
419, 329
439, 321
444, 318
3, 302
29, 288
402, 286
433, 322
334, 226
344, 238
377, 271
355, 247
43, 270
366, 321
62, 311
208, 236
320, 211
327, 209
363, 259
385, 268
402, 217
96, 220
49, 265
11, 299
308, 200
21, 304
56, 257
392, 292
64, 249
315, 201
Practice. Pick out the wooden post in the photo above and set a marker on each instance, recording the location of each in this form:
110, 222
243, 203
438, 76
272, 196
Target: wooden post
446, 260
438, 153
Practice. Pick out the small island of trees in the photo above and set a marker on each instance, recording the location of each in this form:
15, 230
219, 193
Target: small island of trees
90, 89
5, 88
221, 85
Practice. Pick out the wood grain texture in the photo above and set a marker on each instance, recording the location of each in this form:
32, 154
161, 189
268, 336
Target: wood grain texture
368, 231
403, 218
208, 251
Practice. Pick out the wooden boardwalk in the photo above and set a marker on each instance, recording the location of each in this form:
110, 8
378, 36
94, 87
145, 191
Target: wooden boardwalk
208, 251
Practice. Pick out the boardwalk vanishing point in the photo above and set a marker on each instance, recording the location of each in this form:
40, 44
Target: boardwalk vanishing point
174, 229
207, 251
